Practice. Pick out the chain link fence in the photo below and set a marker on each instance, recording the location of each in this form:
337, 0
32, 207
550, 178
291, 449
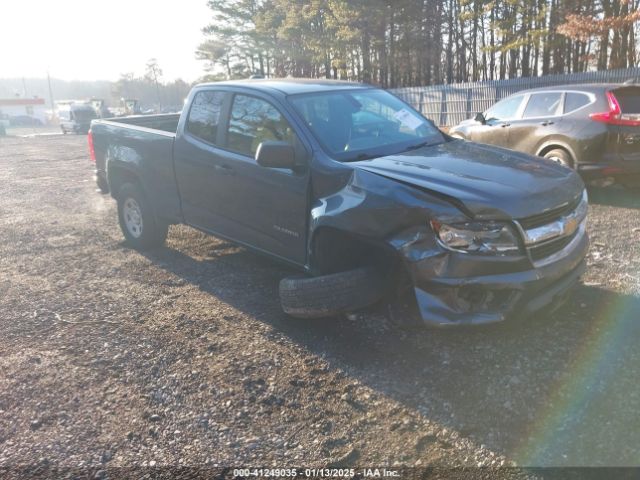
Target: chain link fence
448, 105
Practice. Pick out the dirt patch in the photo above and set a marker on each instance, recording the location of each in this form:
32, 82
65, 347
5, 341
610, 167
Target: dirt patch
182, 356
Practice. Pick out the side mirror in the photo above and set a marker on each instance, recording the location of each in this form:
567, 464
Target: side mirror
272, 154
480, 118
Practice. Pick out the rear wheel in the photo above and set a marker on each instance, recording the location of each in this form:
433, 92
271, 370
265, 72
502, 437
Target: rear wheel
139, 225
560, 156
102, 184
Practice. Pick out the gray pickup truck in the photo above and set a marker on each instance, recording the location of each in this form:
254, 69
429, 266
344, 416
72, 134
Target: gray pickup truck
357, 190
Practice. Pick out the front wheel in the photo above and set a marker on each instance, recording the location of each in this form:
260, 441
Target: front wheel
138, 223
333, 294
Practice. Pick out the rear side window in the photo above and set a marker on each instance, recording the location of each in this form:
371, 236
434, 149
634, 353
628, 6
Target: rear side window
629, 99
204, 116
573, 101
543, 105
254, 121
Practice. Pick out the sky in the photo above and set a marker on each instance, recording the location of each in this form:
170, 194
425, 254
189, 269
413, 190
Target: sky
100, 39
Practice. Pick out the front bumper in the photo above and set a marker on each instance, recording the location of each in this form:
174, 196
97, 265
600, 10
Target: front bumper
455, 289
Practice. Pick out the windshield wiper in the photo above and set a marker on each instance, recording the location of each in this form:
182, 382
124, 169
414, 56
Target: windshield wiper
360, 156
418, 145
369, 156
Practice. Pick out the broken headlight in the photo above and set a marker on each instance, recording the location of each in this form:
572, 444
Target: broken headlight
478, 237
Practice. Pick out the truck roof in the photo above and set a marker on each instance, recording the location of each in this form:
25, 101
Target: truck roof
290, 85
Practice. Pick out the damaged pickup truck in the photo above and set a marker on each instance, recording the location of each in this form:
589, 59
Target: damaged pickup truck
357, 190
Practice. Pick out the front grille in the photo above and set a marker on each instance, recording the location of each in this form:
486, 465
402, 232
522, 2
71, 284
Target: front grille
546, 249
549, 216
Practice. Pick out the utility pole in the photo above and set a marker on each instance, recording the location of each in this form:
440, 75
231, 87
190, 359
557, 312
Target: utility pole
158, 93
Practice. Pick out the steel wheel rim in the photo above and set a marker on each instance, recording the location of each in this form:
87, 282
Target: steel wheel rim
555, 158
132, 217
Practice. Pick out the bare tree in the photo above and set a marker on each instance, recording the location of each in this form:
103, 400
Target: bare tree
153, 73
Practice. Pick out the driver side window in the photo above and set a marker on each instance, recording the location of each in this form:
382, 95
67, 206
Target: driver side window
505, 109
254, 121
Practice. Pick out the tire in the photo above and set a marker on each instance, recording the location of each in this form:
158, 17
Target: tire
138, 222
64, 131
560, 156
102, 184
329, 295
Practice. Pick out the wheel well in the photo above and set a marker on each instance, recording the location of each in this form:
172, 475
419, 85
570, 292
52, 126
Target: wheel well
334, 251
118, 177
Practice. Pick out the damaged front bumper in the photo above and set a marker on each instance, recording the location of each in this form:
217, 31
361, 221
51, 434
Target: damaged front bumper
454, 289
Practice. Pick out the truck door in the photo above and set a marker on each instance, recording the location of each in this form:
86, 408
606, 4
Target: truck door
198, 159
224, 190
267, 208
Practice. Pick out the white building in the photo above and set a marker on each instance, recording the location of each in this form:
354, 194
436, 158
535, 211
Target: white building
32, 107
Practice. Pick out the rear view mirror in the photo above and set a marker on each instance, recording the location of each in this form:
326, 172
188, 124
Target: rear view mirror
272, 154
480, 118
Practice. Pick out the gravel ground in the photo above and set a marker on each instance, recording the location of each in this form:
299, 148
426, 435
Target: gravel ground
34, 131
183, 357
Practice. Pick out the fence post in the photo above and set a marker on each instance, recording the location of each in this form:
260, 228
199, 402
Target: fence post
443, 108
468, 111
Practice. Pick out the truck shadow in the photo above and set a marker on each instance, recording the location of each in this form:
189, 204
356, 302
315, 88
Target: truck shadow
559, 389
614, 196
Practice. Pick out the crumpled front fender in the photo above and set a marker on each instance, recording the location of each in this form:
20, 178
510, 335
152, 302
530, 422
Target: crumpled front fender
453, 288
371, 206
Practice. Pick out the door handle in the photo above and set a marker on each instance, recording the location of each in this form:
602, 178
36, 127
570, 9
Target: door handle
505, 125
546, 122
223, 169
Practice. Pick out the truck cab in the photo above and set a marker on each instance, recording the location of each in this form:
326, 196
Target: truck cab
331, 177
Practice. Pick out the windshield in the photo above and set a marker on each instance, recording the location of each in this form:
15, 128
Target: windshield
358, 124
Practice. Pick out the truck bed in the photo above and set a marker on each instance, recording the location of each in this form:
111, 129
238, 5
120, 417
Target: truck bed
166, 122
140, 143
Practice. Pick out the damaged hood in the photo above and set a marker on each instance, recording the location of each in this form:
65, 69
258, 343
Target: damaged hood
490, 182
